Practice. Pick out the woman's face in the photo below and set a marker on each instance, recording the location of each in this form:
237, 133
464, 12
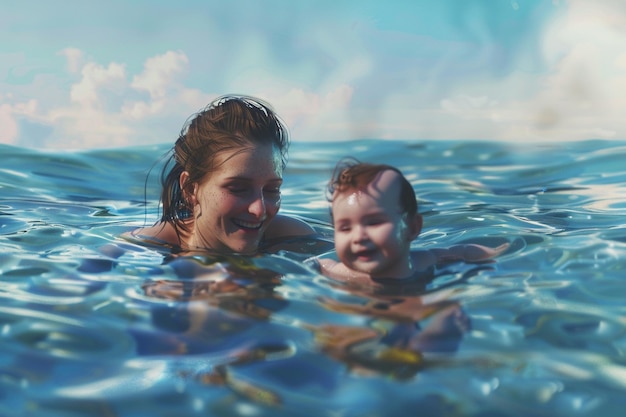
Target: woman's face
236, 203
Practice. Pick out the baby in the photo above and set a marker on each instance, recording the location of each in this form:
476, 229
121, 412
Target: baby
375, 219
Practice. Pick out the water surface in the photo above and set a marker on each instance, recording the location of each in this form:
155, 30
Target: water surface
541, 331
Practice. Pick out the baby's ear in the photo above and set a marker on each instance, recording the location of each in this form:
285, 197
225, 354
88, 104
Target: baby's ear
415, 225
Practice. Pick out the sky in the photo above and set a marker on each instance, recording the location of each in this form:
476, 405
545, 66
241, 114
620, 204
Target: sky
83, 74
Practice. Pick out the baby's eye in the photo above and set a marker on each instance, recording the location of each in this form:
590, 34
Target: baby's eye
272, 190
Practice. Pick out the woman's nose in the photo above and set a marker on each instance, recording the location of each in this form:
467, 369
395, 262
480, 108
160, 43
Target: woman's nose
257, 206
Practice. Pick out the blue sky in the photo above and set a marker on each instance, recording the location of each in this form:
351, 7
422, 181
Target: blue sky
86, 74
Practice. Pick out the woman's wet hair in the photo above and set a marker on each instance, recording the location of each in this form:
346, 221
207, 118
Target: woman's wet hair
351, 174
229, 123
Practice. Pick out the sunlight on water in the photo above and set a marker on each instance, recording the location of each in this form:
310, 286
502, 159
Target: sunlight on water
540, 331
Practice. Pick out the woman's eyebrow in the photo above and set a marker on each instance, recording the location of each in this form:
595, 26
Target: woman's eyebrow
250, 179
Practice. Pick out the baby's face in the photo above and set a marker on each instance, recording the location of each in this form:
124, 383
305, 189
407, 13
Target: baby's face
371, 233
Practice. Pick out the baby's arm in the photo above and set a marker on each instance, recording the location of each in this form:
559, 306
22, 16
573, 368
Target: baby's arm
468, 253
338, 271
327, 267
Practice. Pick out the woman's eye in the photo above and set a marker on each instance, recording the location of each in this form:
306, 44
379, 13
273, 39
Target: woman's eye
236, 189
273, 190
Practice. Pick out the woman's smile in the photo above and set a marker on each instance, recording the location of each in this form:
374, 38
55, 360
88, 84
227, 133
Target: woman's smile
247, 225
237, 203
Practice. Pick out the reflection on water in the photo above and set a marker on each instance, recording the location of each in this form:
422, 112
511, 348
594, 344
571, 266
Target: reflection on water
91, 325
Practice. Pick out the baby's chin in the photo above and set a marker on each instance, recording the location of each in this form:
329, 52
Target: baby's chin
370, 271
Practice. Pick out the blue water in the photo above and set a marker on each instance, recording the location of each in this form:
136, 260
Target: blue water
541, 331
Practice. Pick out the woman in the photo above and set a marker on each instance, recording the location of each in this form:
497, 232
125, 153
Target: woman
223, 191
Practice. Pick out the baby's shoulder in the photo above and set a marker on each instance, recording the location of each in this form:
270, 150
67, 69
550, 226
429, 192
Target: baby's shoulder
423, 259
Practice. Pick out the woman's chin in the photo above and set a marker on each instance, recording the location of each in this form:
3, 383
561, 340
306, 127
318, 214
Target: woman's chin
246, 248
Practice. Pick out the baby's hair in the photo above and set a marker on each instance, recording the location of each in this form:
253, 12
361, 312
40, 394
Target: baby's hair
351, 174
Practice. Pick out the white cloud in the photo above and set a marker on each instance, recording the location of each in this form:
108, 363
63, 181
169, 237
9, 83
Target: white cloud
465, 106
161, 78
88, 127
580, 97
138, 110
95, 80
349, 81
160, 74
100, 110
74, 57
315, 117
9, 131
583, 97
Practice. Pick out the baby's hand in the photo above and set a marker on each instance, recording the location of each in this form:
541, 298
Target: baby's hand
476, 253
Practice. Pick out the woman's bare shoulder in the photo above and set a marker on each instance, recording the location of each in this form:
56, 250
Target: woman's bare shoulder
161, 232
285, 226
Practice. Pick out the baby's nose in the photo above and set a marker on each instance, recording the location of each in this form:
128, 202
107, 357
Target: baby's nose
360, 234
